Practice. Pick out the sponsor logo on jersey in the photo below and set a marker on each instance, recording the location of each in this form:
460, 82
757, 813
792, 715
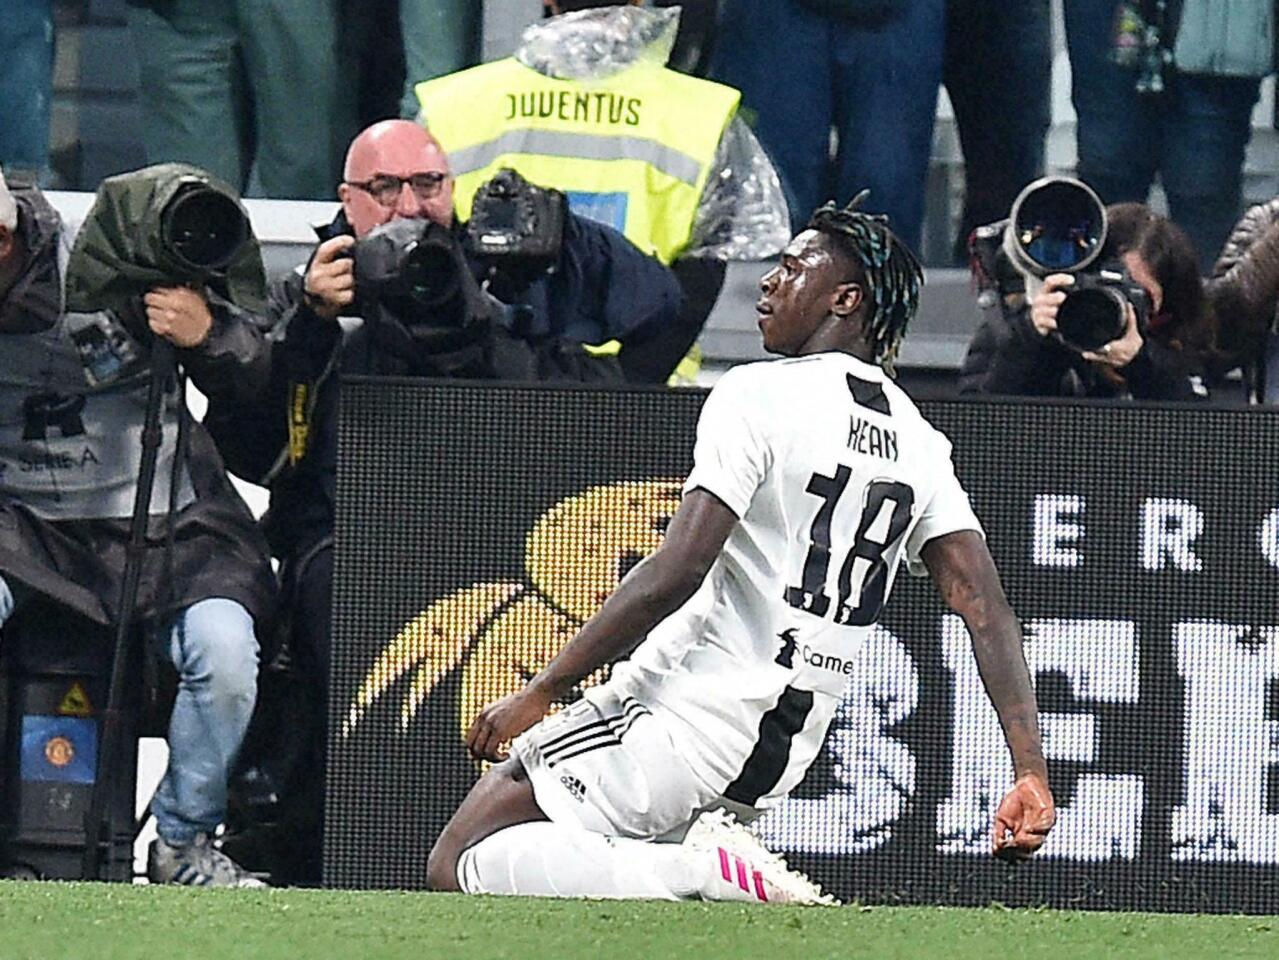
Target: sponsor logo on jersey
826, 661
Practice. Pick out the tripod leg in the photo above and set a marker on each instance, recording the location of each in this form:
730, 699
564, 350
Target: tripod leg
99, 821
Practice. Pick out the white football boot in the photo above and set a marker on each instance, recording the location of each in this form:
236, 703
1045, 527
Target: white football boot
741, 868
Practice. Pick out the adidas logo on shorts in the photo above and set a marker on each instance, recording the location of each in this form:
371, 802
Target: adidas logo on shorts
574, 786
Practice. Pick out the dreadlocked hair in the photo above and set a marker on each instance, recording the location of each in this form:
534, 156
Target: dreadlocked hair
892, 273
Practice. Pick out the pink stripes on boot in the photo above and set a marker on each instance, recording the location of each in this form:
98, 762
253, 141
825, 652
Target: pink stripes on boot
755, 876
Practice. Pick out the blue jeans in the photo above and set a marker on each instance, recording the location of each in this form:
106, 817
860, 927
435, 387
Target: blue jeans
6, 601
1193, 134
802, 74
26, 83
215, 651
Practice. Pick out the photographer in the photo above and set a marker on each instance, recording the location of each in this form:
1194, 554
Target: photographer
601, 288
1159, 347
593, 103
74, 388
397, 194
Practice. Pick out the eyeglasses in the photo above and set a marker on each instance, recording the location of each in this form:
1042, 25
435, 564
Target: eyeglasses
385, 188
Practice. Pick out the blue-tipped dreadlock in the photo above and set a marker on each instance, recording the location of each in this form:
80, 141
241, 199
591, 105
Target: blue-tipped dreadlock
893, 275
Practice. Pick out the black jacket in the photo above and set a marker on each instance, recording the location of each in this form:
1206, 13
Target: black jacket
210, 548
603, 289
1008, 356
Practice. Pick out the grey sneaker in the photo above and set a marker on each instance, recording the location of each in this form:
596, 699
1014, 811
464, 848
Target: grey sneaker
739, 867
198, 864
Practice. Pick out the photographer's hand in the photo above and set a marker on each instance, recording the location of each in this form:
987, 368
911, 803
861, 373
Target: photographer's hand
1043, 308
329, 286
1119, 352
179, 314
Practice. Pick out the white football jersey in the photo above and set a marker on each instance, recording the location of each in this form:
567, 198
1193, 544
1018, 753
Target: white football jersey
835, 476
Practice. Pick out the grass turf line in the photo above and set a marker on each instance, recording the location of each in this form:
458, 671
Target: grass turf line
65, 921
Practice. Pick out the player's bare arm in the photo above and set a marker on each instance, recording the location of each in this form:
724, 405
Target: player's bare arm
962, 568
655, 588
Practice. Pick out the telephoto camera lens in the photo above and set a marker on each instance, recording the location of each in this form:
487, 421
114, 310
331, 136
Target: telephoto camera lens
1057, 225
427, 275
203, 229
1091, 316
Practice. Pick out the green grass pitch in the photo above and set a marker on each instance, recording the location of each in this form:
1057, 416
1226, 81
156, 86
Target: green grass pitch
64, 921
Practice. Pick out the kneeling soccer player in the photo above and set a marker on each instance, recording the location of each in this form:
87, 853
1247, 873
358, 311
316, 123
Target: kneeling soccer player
813, 477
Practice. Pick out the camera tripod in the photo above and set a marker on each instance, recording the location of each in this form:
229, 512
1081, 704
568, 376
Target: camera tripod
99, 827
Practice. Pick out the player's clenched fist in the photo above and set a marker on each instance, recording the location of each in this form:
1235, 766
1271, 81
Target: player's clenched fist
503, 720
1024, 817
329, 286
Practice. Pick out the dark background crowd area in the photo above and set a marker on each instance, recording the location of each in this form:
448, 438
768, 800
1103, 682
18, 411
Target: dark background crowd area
96, 120
96, 114
994, 86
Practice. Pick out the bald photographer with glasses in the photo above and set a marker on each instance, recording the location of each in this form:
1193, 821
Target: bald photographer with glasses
347, 312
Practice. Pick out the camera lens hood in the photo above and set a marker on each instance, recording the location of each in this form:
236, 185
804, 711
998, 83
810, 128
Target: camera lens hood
203, 229
1056, 225
1091, 316
412, 263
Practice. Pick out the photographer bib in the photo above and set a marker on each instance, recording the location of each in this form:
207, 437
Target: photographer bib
631, 150
72, 407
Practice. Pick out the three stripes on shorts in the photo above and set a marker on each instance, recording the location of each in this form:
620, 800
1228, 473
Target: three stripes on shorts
604, 732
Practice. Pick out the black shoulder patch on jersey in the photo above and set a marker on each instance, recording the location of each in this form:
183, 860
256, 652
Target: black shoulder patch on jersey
869, 394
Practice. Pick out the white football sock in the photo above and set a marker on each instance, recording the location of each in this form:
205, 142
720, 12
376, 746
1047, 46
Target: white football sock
545, 859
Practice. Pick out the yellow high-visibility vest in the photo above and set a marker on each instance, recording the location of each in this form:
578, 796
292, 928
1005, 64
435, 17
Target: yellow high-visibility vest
632, 150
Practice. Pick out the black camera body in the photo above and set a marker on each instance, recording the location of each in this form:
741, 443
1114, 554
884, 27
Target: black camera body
422, 308
414, 268
993, 272
514, 220
1095, 309
1058, 225
418, 271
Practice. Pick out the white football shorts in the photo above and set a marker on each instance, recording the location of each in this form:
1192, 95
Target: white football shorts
610, 765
